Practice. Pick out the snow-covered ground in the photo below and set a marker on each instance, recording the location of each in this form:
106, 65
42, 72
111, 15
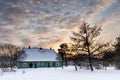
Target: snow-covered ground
68, 73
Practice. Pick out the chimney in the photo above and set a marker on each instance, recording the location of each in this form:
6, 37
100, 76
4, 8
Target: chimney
40, 48
50, 48
29, 47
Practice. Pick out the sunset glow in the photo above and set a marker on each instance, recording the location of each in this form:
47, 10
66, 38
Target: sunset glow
48, 23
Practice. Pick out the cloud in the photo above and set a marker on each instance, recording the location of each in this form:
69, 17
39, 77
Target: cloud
110, 26
48, 23
93, 14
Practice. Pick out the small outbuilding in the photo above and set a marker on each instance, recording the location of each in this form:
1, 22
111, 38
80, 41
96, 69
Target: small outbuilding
38, 57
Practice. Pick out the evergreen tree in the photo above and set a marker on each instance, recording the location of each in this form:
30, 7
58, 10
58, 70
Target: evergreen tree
63, 52
117, 52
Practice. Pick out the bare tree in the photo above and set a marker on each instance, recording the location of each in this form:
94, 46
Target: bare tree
86, 40
9, 54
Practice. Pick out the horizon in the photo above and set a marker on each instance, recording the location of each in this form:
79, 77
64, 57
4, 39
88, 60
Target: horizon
42, 23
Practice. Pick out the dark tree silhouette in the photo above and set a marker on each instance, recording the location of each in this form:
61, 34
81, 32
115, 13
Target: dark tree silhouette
86, 40
117, 52
63, 52
108, 58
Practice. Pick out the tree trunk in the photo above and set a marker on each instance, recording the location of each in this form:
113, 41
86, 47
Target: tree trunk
11, 68
75, 67
89, 58
62, 64
65, 60
90, 63
11, 64
88, 48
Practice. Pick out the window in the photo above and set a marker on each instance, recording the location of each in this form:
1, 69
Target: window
51, 64
57, 63
24, 64
38, 63
42, 63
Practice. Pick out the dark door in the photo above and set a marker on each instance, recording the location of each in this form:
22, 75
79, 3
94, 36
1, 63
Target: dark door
48, 64
53, 64
30, 65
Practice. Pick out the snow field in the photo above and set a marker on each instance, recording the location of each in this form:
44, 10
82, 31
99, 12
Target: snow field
68, 73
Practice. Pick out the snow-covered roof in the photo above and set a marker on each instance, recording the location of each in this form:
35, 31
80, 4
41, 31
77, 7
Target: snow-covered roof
36, 54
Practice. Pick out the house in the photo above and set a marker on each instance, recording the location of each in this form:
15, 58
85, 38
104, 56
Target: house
38, 57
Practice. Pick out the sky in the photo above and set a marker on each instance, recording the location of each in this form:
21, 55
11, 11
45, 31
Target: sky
48, 23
